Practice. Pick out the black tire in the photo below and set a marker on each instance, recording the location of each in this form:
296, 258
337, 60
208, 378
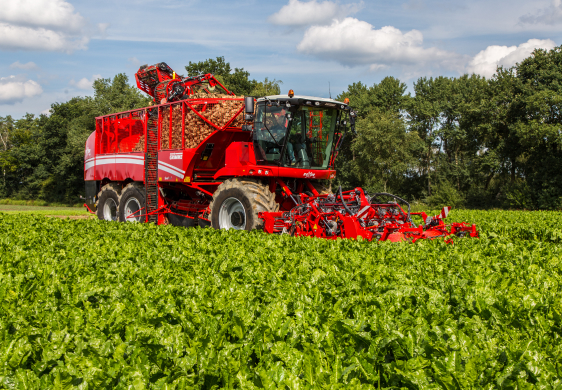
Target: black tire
132, 203
240, 201
108, 202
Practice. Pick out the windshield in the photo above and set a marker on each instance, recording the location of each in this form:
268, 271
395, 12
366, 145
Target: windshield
306, 144
270, 131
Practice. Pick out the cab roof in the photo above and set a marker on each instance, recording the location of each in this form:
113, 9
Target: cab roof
301, 99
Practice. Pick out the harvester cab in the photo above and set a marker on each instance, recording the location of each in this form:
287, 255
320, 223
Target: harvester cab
299, 132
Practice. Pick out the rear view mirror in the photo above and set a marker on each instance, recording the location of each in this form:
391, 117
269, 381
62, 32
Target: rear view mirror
249, 103
352, 117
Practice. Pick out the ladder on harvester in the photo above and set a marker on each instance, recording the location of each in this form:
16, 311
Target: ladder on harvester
315, 130
151, 165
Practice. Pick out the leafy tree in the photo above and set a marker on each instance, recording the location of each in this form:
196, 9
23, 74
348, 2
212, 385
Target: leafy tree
537, 119
424, 114
384, 149
117, 95
237, 81
267, 87
6, 140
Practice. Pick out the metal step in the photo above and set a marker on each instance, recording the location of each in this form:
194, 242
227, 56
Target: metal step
151, 165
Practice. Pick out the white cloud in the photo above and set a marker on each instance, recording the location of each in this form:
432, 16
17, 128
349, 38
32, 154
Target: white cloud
28, 66
353, 42
46, 112
14, 89
134, 61
486, 62
84, 83
50, 25
548, 15
299, 13
55, 15
102, 28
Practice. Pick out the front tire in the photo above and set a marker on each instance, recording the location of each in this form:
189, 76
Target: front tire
132, 204
108, 202
237, 202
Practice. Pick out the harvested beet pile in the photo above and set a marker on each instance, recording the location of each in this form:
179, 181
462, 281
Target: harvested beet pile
196, 129
176, 127
139, 147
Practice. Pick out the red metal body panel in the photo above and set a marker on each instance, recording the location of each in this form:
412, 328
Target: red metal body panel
115, 151
307, 173
119, 166
89, 157
171, 166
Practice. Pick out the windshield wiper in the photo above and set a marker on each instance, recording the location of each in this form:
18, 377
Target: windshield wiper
272, 136
265, 124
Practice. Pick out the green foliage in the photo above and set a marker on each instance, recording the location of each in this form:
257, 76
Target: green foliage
117, 95
384, 149
238, 81
267, 88
445, 194
154, 307
496, 143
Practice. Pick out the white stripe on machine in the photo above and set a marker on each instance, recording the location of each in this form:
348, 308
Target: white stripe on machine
445, 212
162, 164
173, 172
364, 209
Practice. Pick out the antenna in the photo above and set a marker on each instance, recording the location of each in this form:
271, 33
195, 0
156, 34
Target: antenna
329, 91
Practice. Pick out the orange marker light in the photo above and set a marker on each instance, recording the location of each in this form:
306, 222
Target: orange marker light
346, 100
291, 93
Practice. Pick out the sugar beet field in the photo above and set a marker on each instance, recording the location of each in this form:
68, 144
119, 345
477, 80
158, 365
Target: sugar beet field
87, 304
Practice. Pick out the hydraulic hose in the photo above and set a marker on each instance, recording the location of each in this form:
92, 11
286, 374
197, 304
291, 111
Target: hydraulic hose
343, 202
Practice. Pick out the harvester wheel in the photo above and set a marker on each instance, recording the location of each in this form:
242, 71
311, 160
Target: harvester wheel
237, 202
108, 202
132, 203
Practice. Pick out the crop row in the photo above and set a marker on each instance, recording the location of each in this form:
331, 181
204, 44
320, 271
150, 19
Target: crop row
543, 226
92, 304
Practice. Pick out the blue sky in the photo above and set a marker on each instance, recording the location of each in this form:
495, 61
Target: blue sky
52, 50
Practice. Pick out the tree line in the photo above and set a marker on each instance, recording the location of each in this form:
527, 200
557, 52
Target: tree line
462, 141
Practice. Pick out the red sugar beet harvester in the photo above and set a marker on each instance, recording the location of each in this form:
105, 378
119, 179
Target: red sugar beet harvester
199, 155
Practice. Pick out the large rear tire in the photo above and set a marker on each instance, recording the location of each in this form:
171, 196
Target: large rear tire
132, 203
108, 202
237, 202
